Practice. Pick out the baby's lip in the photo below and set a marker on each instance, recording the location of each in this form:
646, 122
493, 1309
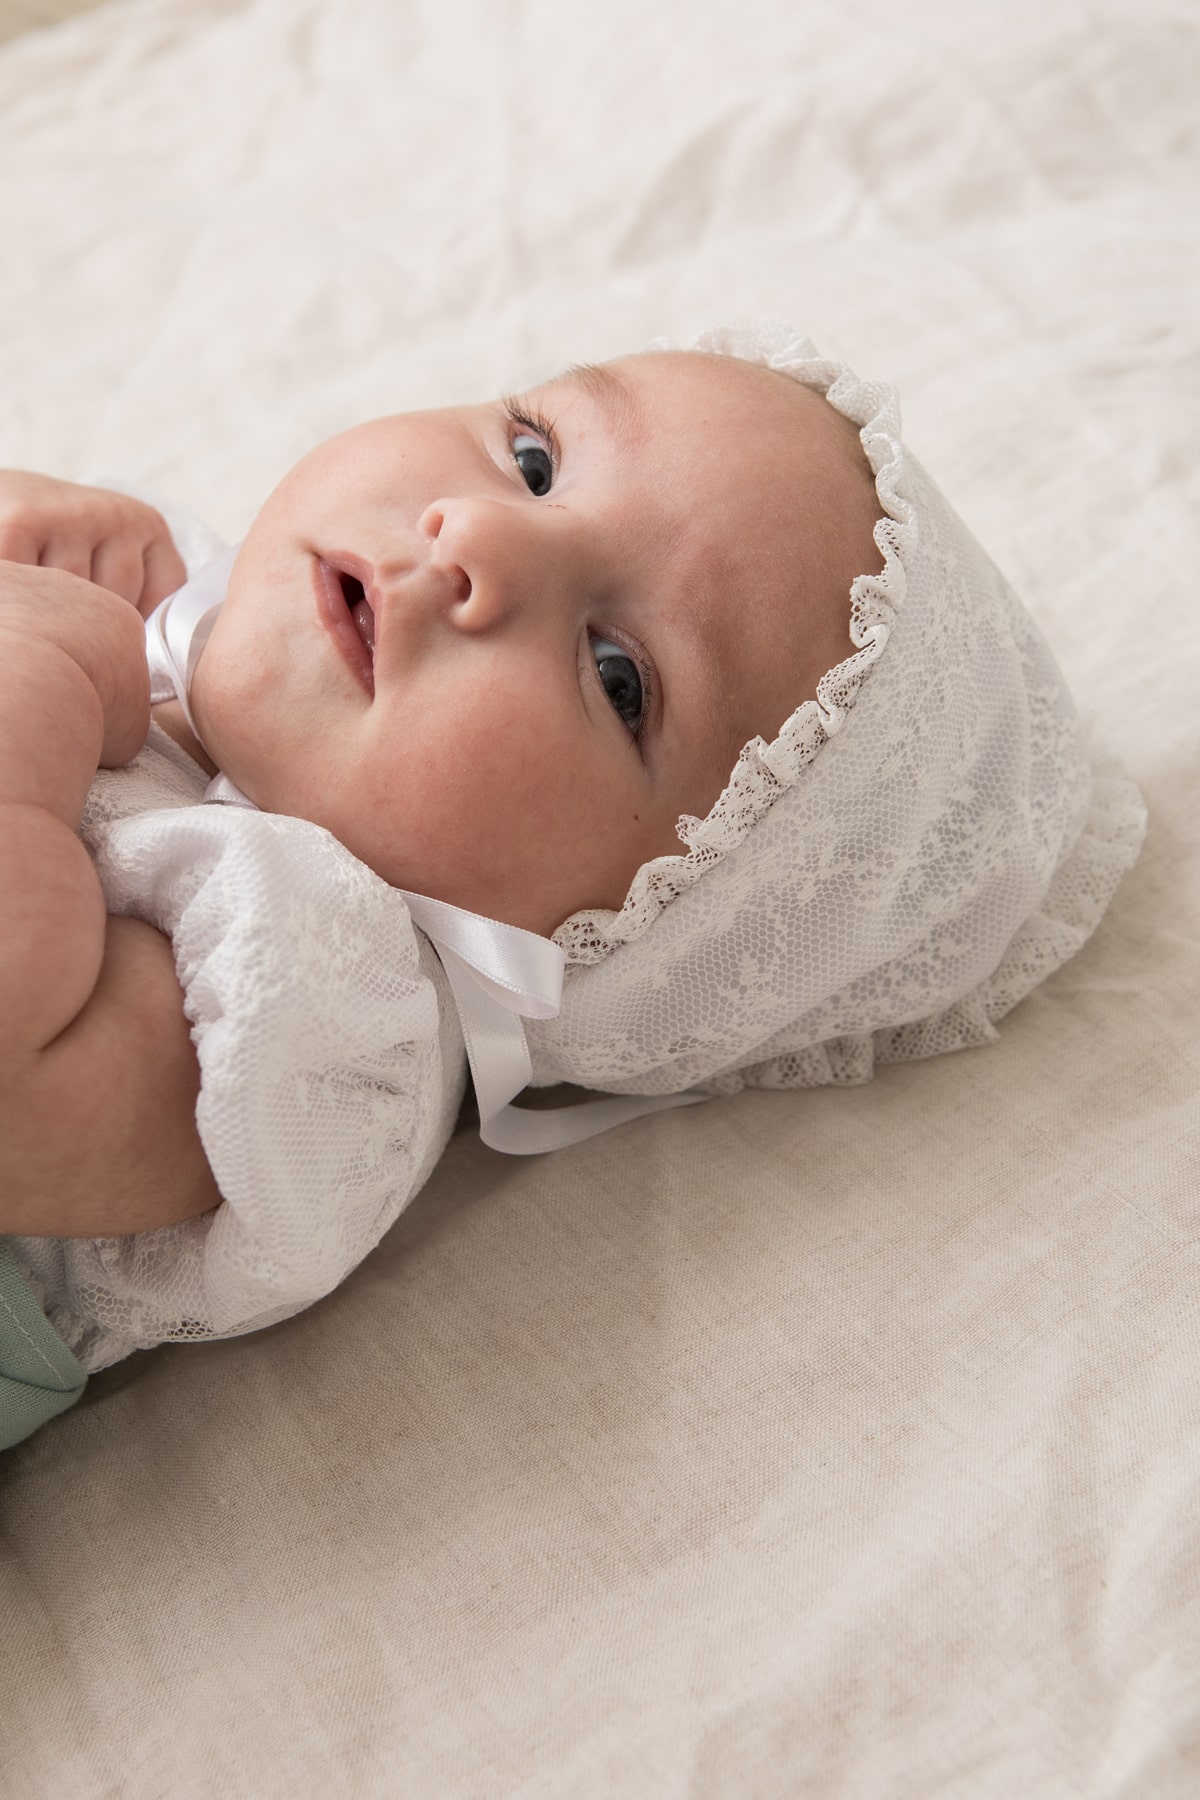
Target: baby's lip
347, 599
357, 580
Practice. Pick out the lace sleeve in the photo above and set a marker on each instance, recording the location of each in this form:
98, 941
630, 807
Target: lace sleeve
331, 1072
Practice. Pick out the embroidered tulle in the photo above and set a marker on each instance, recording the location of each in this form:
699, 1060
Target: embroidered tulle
916, 849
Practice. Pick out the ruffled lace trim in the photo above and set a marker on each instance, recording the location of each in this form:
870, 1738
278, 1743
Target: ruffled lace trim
765, 771
1108, 845
1078, 896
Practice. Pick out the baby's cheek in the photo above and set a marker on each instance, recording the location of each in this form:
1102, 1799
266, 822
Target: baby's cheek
232, 680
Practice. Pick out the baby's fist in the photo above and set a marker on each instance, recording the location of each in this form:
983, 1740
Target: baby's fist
108, 538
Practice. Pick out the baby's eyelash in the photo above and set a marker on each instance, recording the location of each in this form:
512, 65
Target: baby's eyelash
645, 675
647, 678
534, 421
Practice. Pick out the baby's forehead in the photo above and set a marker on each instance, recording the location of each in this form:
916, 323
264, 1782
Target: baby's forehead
696, 376
704, 388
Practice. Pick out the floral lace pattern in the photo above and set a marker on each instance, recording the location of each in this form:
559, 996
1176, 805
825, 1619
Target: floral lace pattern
331, 1065
915, 850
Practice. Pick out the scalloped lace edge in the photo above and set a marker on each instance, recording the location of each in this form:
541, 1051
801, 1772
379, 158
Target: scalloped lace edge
765, 771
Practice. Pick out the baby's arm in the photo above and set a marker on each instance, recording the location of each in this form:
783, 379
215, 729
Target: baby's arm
98, 1078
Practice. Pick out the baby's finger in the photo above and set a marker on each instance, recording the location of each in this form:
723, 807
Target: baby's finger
19, 543
71, 555
165, 570
117, 565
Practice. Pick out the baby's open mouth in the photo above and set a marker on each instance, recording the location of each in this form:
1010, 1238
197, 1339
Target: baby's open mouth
355, 597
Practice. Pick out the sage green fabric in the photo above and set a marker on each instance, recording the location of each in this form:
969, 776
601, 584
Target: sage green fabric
39, 1377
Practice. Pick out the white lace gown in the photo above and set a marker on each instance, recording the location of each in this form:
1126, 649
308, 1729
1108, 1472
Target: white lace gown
332, 1064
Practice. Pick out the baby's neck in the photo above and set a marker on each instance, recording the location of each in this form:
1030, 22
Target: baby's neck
169, 714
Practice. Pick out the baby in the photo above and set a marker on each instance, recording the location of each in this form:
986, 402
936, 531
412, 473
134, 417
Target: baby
419, 768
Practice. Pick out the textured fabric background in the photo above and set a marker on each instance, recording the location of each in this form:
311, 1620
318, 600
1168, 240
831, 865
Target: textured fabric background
841, 1444
17, 16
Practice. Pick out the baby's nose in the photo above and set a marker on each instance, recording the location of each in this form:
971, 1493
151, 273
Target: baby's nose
437, 525
482, 553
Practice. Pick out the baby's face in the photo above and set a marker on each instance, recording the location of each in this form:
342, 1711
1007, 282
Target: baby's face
498, 650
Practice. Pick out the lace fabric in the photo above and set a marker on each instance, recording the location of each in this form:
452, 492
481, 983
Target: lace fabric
915, 850
331, 1065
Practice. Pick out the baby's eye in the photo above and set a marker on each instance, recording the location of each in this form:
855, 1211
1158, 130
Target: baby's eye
533, 460
621, 680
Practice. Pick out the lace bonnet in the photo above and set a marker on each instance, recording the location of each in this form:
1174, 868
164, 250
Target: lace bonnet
916, 849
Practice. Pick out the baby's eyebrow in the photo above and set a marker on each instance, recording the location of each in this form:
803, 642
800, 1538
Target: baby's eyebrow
611, 393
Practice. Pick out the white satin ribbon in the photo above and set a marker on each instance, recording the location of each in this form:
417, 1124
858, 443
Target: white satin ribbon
178, 629
498, 974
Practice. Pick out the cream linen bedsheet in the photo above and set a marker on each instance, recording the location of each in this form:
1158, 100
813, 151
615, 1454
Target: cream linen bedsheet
837, 1444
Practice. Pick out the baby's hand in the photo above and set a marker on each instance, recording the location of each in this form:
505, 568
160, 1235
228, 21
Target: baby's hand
110, 539
72, 660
